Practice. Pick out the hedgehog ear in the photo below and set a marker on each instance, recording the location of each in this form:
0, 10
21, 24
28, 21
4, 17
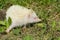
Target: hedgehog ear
31, 11
29, 15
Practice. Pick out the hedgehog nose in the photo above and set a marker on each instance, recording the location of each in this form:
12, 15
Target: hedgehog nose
39, 20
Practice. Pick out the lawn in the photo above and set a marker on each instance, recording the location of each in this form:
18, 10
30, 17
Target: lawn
47, 29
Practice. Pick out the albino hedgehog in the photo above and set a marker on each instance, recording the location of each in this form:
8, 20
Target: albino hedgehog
20, 16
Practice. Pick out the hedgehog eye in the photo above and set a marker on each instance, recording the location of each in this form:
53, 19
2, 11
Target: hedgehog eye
35, 18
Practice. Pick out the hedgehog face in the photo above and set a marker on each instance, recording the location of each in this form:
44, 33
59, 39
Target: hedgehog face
33, 18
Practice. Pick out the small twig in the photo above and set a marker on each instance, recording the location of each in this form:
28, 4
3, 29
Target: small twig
54, 17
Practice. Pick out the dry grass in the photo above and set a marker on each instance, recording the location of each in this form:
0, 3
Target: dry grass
48, 29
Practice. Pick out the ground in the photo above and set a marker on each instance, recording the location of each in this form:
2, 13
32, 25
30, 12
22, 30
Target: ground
47, 29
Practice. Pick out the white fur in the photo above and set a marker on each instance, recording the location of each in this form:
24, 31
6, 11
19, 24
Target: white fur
19, 16
17, 13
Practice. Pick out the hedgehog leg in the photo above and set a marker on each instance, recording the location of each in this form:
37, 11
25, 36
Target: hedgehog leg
24, 29
9, 28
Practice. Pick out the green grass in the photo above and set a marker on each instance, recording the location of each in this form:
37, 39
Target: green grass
47, 10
